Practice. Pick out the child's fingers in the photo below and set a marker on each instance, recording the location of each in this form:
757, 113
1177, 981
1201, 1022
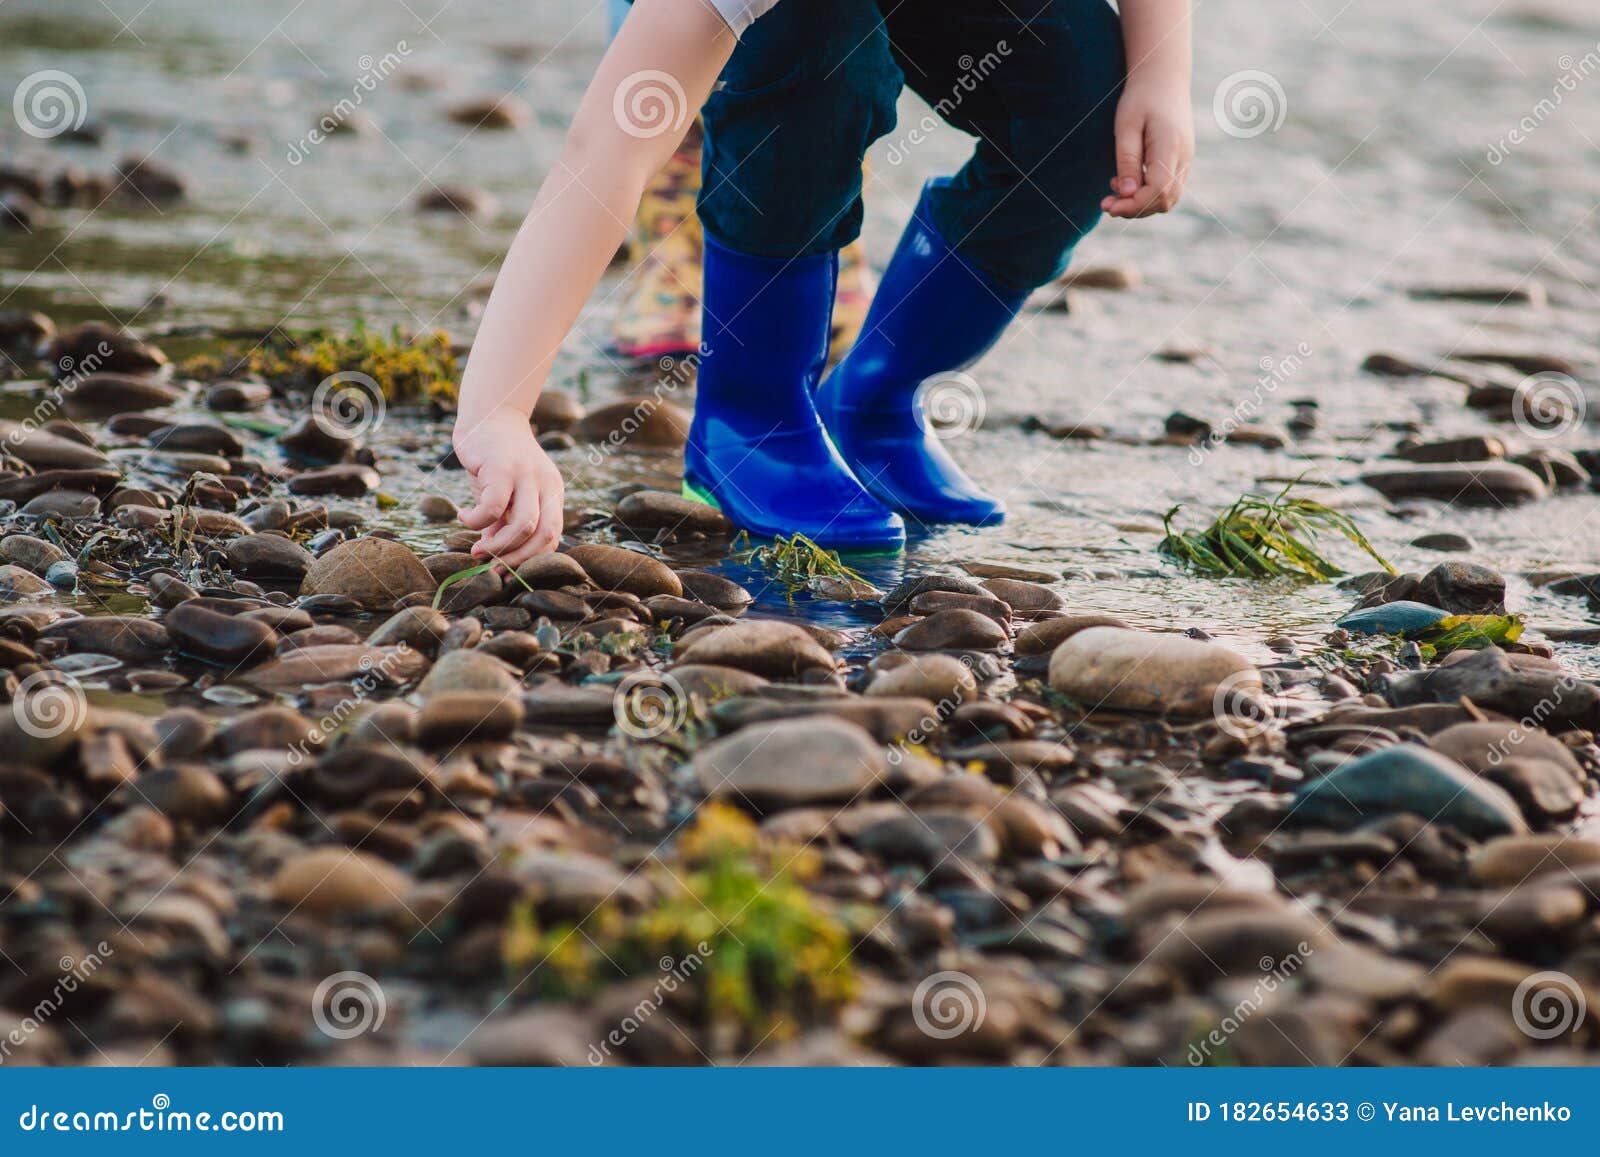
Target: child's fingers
1141, 204
1130, 159
493, 484
522, 520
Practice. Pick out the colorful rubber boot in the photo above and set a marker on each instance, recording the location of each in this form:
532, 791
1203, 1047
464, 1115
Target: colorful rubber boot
934, 315
661, 315
756, 448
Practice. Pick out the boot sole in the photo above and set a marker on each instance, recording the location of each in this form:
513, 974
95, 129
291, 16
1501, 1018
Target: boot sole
695, 494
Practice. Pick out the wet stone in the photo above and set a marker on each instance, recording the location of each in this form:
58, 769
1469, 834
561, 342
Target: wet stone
615, 569
373, 571
953, 630
228, 640
791, 763
1408, 778
269, 556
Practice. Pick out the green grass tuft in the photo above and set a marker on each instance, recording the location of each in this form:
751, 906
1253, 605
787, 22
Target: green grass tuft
1266, 538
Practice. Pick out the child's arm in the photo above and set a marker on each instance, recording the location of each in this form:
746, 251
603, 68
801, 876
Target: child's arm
656, 74
1155, 128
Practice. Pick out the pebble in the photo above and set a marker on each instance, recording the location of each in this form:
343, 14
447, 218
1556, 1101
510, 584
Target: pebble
436, 508
1403, 617
375, 572
337, 663
227, 640
127, 637
269, 556
614, 568
334, 883
768, 648
642, 423
1139, 671
1445, 541
1512, 860
104, 394
939, 678
953, 630
1043, 637
1485, 484
450, 718
473, 671
1408, 778
1464, 588
652, 510
791, 763
346, 481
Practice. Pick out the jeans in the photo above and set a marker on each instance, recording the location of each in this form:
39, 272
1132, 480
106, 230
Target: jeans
814, 83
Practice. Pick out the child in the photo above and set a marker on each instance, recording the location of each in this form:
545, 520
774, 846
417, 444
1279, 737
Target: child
793, 93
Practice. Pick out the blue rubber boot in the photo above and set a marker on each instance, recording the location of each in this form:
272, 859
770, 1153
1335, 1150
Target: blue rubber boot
756, 449
934, 315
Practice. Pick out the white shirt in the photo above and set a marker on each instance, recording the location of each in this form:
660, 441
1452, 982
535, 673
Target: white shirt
740, 14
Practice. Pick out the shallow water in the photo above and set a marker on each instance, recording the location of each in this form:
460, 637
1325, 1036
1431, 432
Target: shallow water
1298, 241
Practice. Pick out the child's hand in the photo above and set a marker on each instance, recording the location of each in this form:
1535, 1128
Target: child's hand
518, 489
1155, 146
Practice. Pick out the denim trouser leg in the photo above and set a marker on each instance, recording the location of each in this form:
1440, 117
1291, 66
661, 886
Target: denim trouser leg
615, 11
815, 82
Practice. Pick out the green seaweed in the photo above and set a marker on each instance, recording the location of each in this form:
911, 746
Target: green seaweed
1266, 538
795, 561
